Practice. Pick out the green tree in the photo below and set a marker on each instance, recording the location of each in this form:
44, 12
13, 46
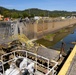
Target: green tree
41, 14
25, 14
14, 15
6, 13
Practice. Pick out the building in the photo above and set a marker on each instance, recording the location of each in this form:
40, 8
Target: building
1, 17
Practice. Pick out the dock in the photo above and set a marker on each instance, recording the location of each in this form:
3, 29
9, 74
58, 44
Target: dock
69, 67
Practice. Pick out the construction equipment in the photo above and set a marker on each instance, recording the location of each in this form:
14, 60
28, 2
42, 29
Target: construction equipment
23, 40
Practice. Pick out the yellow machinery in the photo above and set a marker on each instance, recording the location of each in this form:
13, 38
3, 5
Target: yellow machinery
17, 41
24, 40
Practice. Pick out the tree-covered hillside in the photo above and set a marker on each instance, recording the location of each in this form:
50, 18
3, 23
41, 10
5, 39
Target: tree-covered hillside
32, 12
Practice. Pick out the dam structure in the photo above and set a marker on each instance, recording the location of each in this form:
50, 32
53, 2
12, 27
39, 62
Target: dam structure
33, 29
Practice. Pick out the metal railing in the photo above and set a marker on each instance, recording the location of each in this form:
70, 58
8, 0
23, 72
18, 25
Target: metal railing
36, 58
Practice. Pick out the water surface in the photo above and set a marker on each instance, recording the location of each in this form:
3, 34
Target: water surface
68, 35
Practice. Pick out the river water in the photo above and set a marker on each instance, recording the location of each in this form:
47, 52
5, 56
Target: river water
67, 36
67, 40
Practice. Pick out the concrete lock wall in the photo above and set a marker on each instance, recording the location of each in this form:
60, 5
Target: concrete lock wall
5, 32
32, 30
27, 29
41, 29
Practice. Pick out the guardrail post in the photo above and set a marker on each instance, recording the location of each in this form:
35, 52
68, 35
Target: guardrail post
36, 62
48, 64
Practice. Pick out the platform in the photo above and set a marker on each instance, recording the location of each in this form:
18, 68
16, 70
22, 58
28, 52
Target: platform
69, 67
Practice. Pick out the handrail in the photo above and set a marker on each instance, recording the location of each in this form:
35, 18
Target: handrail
56, 63
2, 65
36, 56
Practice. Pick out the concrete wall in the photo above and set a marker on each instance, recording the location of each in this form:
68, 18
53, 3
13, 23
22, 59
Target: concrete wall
41, 29
5, 32
27, 29
33, 30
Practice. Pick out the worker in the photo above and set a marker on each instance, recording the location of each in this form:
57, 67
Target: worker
62, 47
62, 50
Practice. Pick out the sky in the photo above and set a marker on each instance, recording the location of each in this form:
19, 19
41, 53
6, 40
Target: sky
68, 5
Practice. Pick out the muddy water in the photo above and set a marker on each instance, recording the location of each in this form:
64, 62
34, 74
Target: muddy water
66, 35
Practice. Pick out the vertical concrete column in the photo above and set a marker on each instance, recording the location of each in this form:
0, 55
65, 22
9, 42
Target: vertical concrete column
53, 23
35, 29
14, 31
21, 28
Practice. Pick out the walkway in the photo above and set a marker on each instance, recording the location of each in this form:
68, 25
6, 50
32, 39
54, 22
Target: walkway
69, 67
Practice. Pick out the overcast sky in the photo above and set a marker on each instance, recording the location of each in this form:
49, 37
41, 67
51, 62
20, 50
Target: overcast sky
69, 5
